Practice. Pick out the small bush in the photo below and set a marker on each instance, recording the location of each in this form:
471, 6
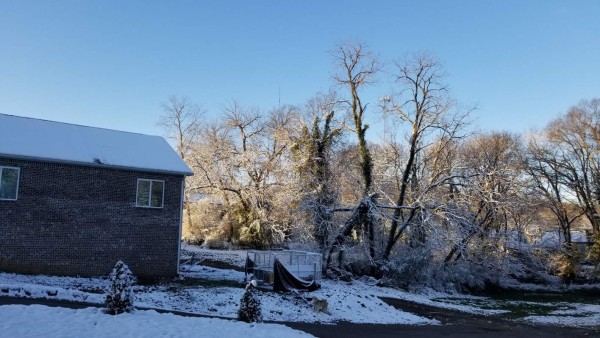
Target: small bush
410, 269
216, 244
594, 255
206, 217
119, 298
566, 263
250, 311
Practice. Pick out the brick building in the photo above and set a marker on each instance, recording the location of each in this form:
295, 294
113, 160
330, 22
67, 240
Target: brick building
75, 199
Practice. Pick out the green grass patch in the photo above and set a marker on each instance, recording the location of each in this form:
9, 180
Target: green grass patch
576, 296
520, 304
515, 309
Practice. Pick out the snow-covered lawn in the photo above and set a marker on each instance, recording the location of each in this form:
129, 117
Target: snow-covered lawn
42, 321
233, 257
355, 302
217, 292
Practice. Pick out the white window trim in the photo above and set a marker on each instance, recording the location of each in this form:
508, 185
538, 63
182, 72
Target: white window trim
18, 180
162, 200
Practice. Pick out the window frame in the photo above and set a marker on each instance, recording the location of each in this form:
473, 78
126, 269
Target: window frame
137, 193
2, 167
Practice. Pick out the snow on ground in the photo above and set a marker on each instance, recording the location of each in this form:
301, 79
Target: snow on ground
432, 298
217, 292
89, 290
579, 315
354, 302
233, 257
200, 271
93, 322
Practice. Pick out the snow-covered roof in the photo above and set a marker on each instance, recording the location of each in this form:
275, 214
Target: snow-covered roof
28, 138
556, 238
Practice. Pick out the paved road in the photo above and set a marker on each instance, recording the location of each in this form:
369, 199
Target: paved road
454, 324
470, 330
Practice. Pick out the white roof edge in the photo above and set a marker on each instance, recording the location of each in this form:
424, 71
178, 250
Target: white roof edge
95, 165
76, 125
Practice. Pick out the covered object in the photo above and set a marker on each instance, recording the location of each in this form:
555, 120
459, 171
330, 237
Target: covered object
286, 270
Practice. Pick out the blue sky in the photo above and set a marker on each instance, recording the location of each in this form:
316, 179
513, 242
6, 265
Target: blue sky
111, 63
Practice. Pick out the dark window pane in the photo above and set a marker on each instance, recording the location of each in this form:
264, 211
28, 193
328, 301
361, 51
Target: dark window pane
143, 193
9, 183
157, 194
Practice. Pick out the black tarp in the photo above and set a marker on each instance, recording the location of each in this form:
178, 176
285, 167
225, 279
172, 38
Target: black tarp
284, 280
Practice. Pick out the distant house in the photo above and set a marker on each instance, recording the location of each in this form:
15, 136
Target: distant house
556, 239
75, 199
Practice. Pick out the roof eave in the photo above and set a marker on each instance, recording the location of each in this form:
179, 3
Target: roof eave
97, 165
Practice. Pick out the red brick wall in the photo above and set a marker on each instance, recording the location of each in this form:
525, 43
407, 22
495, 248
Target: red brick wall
78, 220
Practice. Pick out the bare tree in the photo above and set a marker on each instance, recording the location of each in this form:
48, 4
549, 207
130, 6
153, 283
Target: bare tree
357, 69
575, 138
424, 106
181, 121
545, 169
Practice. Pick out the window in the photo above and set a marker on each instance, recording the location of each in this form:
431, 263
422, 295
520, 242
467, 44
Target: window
150, 193
9, 183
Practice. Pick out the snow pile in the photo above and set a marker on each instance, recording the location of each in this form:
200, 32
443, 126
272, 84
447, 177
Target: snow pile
93, 322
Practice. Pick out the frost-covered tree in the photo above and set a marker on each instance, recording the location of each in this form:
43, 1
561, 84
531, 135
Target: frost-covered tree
423, 107
312, 149
119, 297
490, 197
250, 311
241, 160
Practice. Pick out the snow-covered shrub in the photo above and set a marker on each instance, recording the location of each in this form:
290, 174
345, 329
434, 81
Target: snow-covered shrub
410, 269
119, 298
463, 276
250, 311
478, 266
527, 265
